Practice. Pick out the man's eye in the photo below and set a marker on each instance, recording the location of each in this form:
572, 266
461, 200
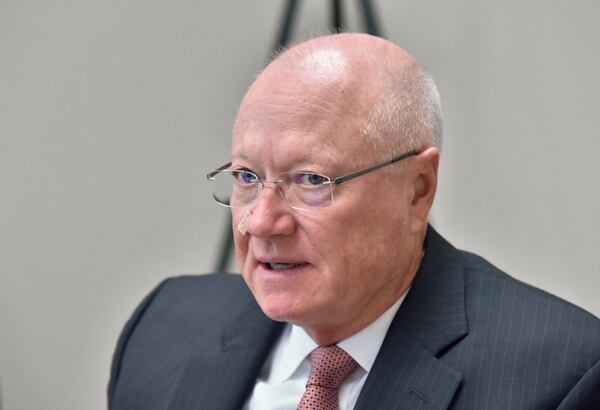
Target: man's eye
306, 178
244, 177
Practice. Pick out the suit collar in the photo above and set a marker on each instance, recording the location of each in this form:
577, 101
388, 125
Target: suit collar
431, 319
406, 375
434, 309
223, 378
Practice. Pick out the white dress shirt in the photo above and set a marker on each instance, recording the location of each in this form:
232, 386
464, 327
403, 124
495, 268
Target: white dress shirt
282, 380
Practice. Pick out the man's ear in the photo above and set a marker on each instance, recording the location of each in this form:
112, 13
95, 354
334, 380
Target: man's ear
425, 184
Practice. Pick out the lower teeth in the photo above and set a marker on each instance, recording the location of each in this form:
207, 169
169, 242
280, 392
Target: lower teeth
277, 266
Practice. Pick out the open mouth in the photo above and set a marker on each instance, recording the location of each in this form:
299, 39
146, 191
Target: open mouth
275, 266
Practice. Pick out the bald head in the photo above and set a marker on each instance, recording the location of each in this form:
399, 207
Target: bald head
391, 101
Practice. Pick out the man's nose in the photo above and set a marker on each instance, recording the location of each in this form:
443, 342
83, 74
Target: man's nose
271, 215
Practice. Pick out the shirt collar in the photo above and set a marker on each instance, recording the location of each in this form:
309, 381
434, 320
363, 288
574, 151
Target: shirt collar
295, 345
364, 345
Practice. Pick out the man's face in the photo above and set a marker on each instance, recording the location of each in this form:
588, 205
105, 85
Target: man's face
338, 265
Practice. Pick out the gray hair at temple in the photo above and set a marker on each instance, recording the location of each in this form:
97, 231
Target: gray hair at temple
408, 113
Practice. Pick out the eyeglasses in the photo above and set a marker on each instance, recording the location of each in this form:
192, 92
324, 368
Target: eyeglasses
236, 188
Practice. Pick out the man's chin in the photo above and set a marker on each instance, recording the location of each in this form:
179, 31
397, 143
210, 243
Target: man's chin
282, 310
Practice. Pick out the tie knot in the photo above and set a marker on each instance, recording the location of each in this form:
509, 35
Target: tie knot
330, 365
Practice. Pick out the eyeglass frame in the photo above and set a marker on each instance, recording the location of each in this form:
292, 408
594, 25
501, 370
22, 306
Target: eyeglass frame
337, 181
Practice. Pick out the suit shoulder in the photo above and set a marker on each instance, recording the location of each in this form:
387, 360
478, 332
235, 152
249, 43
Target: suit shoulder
207, 280
207, 292
182, 316
479, 270
498, 298
206, 283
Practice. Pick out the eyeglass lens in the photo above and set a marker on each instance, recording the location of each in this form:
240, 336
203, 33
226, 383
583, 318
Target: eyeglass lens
300, 190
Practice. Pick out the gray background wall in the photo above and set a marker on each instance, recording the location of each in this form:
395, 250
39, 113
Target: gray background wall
112, 111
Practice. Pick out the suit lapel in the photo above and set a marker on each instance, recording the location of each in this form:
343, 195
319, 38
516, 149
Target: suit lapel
407, 373
224, 378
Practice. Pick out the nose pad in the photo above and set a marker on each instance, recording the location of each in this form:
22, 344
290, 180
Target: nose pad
241, 226
281, 194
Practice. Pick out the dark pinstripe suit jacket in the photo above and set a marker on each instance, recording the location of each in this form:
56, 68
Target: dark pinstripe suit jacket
467, 337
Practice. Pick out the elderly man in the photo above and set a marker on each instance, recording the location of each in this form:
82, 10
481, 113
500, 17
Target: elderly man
349, 299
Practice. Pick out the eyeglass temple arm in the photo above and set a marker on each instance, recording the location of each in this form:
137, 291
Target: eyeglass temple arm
216, 171
348, 177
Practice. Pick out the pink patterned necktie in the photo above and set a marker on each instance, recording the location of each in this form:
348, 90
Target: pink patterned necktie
329, 366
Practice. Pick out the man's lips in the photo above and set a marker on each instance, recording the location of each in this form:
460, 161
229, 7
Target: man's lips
281, 265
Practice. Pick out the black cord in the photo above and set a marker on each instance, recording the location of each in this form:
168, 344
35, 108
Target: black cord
287, 24
369, 18
337, 23
226, 248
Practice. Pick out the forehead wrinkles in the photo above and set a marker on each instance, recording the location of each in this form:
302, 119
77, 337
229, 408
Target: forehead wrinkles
278, 111
303, 133
310, 128
285, 98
